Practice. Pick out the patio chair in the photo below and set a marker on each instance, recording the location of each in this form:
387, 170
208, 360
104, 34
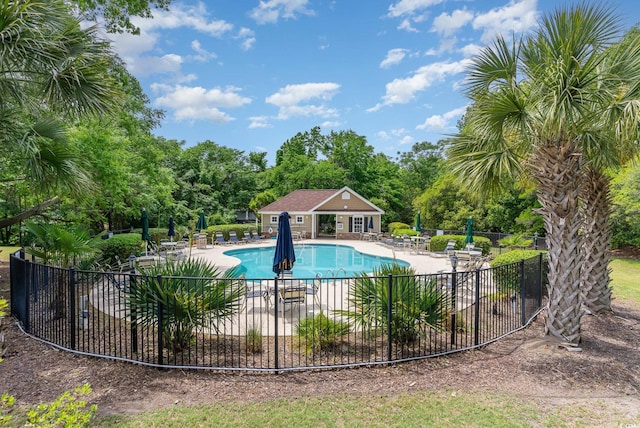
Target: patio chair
220, 239
256, 236
247, 237
201, 240
233, 238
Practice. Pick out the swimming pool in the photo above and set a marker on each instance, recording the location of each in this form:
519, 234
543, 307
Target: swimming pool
311, 259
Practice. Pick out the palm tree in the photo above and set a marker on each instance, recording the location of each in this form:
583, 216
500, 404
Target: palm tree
607, 150
51, 71
545, 107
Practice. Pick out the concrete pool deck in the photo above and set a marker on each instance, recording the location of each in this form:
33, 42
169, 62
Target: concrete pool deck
424, 263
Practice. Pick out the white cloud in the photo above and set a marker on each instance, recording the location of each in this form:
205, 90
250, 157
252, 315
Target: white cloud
197, 103
180, 16
406, 26
402, 91
202, 54
134, 49
247, 38
517, 16
259, 122
290, 98
409, 7
330, 124
447, 25
394, 56
270, 11
383, 135
145, 66
406, 140
440, 122
470, 50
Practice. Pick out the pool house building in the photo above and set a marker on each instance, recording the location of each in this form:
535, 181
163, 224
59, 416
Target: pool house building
341, 214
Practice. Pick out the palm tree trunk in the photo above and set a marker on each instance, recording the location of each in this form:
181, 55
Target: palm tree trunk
596, 232
556, 168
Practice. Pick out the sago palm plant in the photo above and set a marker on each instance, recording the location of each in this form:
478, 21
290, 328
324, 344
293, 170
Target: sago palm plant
191, 293
414, 304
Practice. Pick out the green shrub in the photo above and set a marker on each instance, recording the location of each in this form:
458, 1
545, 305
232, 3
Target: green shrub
320, 332
65, 411
121, 245
397, 225
515, 242
439, 242
506, 269
254, 341
416, 305
407, 232
192, 297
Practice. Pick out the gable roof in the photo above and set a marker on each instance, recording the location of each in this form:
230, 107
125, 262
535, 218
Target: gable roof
308, 200
300, 200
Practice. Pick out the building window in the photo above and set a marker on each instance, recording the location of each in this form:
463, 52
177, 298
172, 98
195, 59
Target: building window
358, 224
274, 219
299, 219
346, 195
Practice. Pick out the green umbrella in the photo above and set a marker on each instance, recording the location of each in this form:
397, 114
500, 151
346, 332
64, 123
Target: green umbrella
145, 229
202, 222
469, 238
418, 228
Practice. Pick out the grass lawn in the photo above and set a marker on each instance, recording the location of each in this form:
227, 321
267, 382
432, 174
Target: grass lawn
446, 408
6, 251
625, 280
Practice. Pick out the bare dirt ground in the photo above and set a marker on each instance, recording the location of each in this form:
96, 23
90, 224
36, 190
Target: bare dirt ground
604, 376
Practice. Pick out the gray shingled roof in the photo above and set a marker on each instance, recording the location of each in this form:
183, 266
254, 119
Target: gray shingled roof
301, 200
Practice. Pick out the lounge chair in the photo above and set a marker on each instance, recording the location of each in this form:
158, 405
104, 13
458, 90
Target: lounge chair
248, 237
256, 236
233, 238
220, 239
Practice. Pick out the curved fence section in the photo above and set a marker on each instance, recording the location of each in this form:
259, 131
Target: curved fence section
273, 324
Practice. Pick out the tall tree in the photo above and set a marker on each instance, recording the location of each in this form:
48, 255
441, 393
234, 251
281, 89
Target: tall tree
51, 71
535, 103
116, 14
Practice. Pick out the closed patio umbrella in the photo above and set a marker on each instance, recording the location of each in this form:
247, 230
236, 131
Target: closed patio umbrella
371, 223
469, 238
418, 228
172, 228
284, 256
202, 222
145, 230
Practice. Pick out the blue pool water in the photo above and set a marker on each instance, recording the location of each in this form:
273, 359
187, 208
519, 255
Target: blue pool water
326, 259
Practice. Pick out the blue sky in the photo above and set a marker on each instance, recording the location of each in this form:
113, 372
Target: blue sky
251, 74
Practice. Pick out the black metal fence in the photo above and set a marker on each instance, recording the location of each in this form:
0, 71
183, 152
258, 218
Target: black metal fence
273, 324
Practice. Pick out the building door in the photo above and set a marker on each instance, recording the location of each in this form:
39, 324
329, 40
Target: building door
326, 226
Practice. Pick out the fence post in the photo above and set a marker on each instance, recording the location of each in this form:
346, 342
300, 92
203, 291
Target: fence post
160, 322
454, 278
73, 317
476, 321
275, 329
389, 315
540, 260
523, 313
133, 312
28, 286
